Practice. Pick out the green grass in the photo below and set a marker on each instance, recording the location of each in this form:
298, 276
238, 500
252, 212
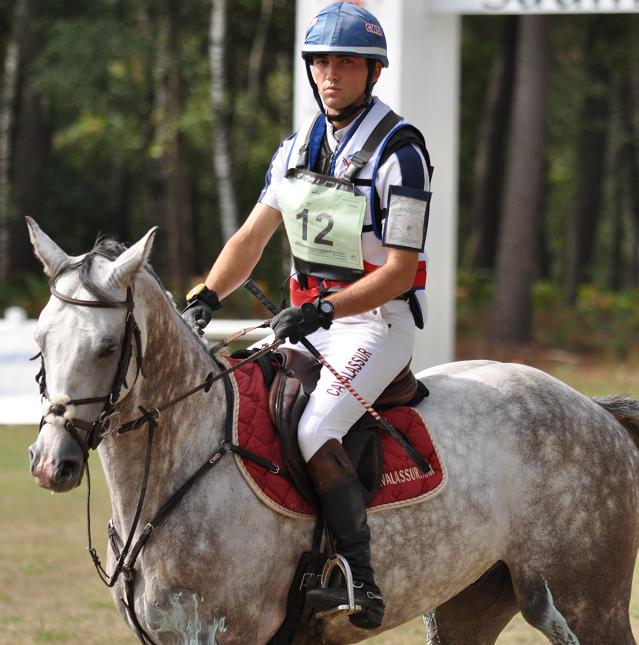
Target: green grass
50, 593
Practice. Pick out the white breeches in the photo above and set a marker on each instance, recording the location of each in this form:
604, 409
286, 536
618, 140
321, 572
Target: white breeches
368, 350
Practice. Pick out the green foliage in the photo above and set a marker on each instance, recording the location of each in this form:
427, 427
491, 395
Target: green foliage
99, 73
97, 69
474, 299
602, 322
480, 40
30, 291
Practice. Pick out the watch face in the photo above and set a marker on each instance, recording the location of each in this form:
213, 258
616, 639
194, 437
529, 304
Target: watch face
326, 307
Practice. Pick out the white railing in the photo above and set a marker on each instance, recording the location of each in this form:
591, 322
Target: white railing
19, 398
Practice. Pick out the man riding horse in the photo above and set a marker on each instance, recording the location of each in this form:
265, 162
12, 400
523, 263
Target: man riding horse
352, 188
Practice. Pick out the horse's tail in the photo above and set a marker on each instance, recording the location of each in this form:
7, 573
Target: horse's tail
625, 409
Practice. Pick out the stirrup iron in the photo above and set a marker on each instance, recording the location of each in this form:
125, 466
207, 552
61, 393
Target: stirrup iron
339, 562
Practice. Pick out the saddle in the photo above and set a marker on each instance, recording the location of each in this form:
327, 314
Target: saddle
292, 380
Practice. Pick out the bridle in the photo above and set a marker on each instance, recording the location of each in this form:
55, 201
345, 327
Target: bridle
95, 431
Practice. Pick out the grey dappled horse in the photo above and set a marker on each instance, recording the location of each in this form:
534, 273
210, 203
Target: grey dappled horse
539, 513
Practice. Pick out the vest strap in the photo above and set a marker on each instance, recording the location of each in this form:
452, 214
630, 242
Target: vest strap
310, 147
379, 133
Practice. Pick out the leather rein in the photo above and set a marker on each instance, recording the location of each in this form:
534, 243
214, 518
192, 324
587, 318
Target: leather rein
101, 427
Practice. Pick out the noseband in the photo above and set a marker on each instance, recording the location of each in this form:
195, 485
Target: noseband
96, 430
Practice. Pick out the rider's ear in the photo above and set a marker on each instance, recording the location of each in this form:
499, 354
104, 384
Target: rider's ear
46, 250
131, 260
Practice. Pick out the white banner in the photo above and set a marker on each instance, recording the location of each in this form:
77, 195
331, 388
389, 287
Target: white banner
19, 395
534, 6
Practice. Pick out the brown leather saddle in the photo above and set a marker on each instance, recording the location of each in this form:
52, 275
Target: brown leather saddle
293, 376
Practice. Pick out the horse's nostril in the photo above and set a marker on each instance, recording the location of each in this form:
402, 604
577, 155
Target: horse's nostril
67, 469
33, 459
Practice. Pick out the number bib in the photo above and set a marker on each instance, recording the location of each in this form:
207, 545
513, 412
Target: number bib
323, 217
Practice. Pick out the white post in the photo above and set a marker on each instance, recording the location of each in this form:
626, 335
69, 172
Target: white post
422, 84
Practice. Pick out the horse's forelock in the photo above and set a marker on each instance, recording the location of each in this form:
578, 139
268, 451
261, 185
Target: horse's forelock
104, 247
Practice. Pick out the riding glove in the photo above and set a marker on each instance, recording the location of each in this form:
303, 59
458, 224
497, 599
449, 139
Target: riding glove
295, 323
201, 302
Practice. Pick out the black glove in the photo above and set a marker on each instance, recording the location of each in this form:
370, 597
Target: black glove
200, 305
295, 323
198, 314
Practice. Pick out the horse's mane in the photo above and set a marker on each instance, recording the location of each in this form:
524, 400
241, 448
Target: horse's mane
110, 249
104, 247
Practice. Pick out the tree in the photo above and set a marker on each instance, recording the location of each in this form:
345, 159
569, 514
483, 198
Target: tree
221, 146
255, 61
592, 141
7, 106
625, 180
519, 234
32, 148
489, 158
178, 205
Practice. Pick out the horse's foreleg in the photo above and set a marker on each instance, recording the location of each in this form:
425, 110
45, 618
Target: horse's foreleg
477, 615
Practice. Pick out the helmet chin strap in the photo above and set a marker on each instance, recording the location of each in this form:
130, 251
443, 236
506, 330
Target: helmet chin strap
350, 110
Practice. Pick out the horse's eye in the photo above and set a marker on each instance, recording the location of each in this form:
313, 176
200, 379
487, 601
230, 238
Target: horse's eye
106, 349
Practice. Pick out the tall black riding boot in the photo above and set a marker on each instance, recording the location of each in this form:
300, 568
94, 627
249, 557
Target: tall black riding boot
343, 506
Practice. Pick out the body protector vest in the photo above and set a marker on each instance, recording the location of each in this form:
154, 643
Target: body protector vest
334, 220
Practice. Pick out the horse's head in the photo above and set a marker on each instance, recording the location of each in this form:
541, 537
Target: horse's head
91, 347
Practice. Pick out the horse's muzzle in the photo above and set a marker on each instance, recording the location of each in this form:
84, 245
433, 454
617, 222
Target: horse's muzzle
58, 474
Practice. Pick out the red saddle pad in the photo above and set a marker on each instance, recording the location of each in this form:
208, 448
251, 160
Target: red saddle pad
402, 482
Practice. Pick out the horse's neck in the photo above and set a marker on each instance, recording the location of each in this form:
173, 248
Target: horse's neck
174, 362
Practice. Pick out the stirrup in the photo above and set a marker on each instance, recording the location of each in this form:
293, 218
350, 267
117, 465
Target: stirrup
339, 562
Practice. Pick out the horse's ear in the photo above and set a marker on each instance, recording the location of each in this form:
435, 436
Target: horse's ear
46, 250
124, 267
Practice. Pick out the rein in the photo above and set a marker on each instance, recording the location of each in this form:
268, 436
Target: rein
96, 431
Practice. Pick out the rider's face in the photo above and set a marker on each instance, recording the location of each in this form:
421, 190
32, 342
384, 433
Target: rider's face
341, 80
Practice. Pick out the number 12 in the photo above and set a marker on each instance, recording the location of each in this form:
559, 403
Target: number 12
320, 238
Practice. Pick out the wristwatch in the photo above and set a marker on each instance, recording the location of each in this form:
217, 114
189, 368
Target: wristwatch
325, 307
326, 312
202, 292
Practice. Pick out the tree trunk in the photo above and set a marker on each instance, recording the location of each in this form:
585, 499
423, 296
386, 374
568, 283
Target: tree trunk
222, 160
618, 207
171, 192
179, 210
32, 150
247, 126
519, 234
625, 187
7, 103
592, 141
489, 160
629, 107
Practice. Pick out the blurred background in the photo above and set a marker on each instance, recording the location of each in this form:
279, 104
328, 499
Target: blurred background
113, 112
118, 115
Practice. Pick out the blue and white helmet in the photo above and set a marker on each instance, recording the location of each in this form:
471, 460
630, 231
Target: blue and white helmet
343, 28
